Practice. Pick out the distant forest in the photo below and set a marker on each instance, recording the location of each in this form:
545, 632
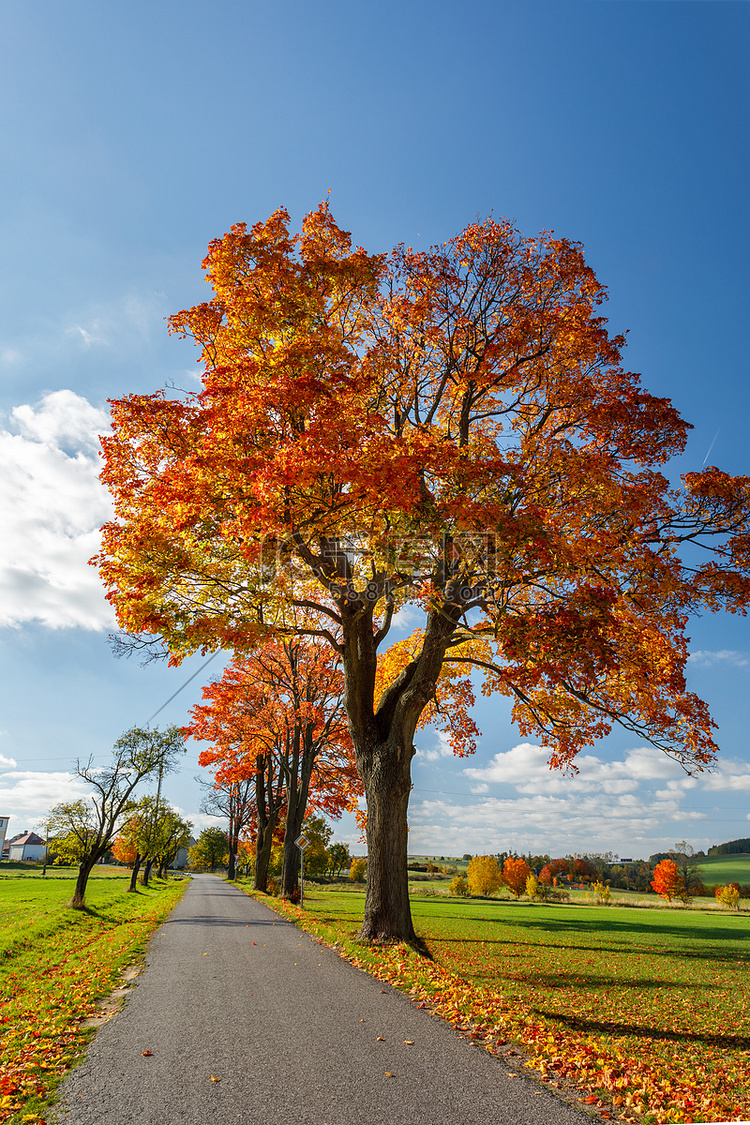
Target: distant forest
732, 848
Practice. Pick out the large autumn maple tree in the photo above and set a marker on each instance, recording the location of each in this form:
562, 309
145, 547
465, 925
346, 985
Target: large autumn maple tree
449, 429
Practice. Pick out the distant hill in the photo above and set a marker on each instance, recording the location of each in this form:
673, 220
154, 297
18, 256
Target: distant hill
732, 847
733, 867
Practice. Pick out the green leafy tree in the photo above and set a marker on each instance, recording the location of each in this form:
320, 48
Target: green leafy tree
211, 849
85, 830
157, 832
318, 832
338, 858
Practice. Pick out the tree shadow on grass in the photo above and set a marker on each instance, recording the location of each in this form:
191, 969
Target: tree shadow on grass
732, 957
560, 981
640, 1031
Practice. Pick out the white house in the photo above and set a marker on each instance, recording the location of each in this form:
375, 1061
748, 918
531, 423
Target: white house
28, 846
3, 829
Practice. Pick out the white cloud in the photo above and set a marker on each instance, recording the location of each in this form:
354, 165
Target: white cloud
51, 508
201, 820
635, 805
526, 768
26, 796
441, 749
544, 823
87, 337
62, 418
7, 763
704, 658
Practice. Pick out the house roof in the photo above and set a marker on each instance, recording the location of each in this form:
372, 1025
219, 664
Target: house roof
29, 838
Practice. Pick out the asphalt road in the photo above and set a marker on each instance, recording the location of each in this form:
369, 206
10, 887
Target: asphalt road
290, 1030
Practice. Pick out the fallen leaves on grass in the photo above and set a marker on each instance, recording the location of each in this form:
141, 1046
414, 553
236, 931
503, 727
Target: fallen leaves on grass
46, 992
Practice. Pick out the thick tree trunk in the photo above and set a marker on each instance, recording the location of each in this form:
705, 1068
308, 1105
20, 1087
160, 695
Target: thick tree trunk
384, 748
147, 872
134, 874
386, 773
231, 872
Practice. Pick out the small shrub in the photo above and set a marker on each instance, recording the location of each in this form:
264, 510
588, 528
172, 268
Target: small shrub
729, 896
601, 892
459, 886
532, 885
272, 886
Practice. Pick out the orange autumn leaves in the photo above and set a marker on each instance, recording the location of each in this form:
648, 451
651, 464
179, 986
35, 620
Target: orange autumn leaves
276, 703
468, 397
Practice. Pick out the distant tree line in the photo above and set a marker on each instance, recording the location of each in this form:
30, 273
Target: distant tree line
733, 847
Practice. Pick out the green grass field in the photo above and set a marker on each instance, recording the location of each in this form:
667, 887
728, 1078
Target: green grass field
16, 870
648, 1011
55, 966
726, 869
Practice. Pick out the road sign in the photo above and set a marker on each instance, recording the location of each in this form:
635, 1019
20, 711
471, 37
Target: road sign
302, 841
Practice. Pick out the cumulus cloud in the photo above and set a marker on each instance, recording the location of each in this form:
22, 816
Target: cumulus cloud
7, 763
628, 824
51, 509
635, 805
28, 795
526, 768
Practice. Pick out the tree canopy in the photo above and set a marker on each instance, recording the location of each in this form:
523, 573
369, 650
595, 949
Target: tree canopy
451, 430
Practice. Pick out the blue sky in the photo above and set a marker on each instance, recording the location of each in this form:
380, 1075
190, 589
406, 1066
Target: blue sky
133, 134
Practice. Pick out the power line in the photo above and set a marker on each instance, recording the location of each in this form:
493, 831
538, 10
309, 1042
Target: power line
187, 681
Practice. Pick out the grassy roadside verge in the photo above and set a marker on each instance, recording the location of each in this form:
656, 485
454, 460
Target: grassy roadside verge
55, 965
645, 1013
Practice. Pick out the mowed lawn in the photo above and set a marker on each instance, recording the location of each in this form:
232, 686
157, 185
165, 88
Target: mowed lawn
55, 966
647, 1010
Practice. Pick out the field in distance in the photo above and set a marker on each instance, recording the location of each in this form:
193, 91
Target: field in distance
726, 869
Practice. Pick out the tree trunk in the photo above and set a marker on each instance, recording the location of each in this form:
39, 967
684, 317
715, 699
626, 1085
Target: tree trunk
134, 873
386, 773
384, 748
297, 794
263, 846
231, 872
79, 894
147, 872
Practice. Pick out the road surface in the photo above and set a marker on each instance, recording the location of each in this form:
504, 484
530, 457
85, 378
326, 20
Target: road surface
251, 1022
